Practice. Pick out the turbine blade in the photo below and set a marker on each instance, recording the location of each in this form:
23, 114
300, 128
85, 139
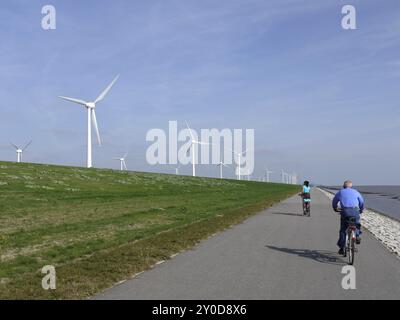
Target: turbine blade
126, 168
14, 145
95, 126
203, 143
236, 153
29, 143
190, 130
125, 155
106, 90
78, 101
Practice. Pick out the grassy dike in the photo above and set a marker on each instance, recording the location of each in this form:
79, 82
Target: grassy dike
98, 227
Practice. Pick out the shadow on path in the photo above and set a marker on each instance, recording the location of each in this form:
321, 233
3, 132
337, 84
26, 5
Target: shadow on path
289, 214
321, 256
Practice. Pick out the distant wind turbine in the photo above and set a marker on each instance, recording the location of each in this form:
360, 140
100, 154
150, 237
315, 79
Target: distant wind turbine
20, 150
285, 177
91, 117
193, 149
294, 178
122, 161
220, 165
267, 174
239, 155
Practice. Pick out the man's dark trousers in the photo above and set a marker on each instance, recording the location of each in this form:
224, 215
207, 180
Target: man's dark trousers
347, 213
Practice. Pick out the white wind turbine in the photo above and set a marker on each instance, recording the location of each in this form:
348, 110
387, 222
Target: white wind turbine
122, 161
285, 177
20, 150
267, 174
294, 178
91, 117
220, 165
239, 155
193, 143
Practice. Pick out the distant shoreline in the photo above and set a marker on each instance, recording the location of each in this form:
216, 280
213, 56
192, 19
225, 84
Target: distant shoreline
384, 200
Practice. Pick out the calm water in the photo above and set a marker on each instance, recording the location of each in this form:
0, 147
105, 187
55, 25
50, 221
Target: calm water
385, 199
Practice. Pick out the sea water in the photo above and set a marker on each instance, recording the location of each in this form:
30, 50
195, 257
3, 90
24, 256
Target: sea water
384, 199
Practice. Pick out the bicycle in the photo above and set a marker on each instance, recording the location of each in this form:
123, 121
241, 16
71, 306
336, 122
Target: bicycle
306, 208
306, 204
350, 244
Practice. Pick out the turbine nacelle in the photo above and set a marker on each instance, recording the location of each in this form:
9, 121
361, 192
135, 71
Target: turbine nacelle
90, 105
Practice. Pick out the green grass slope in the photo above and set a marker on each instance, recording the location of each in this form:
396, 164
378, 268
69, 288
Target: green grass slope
98, 227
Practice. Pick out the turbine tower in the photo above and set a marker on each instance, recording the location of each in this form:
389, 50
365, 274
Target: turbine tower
267, 174
20, 150
220, 165
91, 117
193, 149
294, 178
239, 155
122, 161
286, 178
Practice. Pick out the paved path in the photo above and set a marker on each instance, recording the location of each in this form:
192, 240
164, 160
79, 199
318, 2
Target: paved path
277, 254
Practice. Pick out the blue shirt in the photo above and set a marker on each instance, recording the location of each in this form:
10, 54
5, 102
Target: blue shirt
348, 198
306, 190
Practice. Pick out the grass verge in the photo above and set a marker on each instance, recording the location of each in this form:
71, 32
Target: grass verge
119, 224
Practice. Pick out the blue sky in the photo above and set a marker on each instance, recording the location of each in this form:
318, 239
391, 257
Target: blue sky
323, 101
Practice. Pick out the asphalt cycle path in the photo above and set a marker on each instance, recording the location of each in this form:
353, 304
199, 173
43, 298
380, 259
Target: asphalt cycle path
276, 254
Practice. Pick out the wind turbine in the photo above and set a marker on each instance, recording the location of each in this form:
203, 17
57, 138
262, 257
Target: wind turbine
267, 173
289, 178
239, 155
220, 165
294, 178
91, 117
285, 177
122, 161
192, 144
20, 150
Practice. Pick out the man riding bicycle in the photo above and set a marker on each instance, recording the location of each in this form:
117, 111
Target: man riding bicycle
352, 205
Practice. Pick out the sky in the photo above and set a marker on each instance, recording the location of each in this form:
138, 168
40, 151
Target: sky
323, 101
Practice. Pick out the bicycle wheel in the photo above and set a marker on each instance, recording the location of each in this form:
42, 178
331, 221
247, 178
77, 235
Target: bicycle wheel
352, 251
